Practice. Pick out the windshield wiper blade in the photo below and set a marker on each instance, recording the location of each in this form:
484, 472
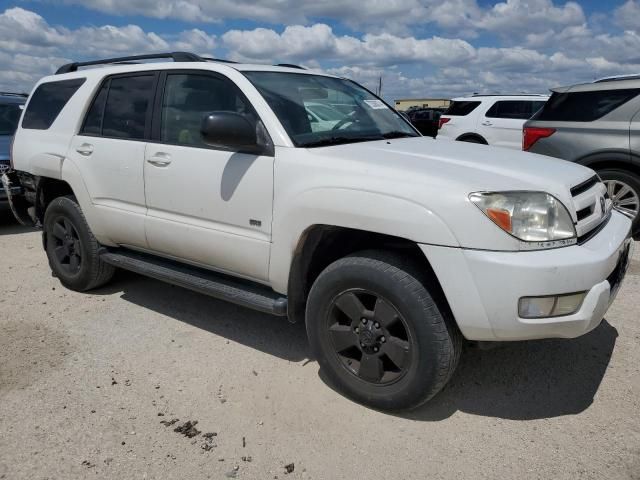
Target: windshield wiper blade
339, 140
397, 134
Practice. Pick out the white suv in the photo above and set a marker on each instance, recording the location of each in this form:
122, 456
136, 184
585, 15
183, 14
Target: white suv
489, 119
391, 246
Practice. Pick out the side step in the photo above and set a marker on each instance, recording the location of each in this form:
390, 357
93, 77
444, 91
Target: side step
217, 285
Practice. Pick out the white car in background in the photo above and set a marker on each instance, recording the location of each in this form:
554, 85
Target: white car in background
322, 116
489, 119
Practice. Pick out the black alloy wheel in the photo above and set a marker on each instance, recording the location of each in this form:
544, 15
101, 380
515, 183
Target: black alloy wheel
67, 248
370, 336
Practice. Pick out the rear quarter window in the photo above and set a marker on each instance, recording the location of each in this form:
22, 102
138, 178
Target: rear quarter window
48, 101
461, 108
584, 106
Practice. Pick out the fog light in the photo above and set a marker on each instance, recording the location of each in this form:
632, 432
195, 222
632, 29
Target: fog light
551, 306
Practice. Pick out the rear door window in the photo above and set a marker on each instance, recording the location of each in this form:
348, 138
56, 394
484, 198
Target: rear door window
512, 109
127, 112
93, 121
462, 108
48, 101
584, 106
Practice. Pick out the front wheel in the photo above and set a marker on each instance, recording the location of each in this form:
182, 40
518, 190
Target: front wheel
378, 333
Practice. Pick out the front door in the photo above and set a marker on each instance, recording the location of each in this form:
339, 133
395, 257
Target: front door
207, 206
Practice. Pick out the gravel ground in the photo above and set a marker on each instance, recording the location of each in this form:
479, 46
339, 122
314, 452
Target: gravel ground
87, 379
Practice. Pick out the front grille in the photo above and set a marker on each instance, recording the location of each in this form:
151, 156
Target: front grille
592, 207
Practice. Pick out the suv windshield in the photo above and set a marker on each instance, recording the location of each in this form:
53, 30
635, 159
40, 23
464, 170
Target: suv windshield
317, 111
9, 116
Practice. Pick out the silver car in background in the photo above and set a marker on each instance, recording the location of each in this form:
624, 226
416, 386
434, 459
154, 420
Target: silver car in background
598, 125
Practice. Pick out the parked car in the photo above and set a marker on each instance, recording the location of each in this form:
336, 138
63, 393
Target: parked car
426, 120
489, 119
597, 125
11, 105
391, 247
322, 116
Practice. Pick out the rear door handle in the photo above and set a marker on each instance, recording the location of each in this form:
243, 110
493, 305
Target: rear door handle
160, 159
85, 149
487, 123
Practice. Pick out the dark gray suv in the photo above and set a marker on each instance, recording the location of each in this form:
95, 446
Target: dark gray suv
11, 105
598, 125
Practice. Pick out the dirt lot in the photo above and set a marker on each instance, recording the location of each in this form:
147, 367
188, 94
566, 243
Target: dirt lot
87, 379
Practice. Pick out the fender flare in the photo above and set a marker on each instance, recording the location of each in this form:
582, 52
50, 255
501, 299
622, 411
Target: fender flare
394, 216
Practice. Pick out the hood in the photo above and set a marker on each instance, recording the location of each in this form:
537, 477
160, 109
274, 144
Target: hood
460, 168
5, 144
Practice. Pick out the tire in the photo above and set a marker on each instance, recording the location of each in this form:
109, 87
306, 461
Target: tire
71, 248
617, 178
395, 294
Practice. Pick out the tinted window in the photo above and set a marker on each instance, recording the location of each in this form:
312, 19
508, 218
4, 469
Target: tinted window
93, 122
514, 109
48, 101
9, 117
584, 106
188, 98
127, 107
461, 108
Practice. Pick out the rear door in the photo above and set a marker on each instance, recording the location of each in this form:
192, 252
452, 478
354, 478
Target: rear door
502, 123
109, 151
211, 206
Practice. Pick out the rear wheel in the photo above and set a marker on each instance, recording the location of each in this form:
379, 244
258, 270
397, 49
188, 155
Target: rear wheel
71, 248
624, 190
377, 332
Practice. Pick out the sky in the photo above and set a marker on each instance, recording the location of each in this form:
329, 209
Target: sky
420, 48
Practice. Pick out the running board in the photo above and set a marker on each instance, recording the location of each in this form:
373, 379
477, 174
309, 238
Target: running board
217, 285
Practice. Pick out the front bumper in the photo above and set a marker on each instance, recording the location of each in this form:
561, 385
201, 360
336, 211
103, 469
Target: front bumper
483, 287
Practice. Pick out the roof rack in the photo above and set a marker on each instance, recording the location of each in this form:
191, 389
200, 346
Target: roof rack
289, 65
632, 76
176, 56
13, 94
509, 95
221, 60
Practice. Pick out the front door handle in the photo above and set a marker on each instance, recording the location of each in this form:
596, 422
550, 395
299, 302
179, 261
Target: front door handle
85, 149
160, 159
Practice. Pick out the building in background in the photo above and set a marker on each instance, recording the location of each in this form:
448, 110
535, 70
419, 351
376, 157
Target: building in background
406, 103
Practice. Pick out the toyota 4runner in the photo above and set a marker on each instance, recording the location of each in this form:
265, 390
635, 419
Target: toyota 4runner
392, 247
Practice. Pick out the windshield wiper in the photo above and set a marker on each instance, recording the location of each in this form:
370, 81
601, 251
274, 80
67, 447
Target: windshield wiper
325, 142
397, 134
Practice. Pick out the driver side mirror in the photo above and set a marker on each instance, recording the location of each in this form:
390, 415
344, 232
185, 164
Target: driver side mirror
231, 130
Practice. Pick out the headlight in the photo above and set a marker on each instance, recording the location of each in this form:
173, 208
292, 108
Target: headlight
529, 216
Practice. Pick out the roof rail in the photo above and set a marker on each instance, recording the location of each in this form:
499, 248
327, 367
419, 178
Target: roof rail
221, 60
615, 78
509, 95
13, 94
289, 65
176, 56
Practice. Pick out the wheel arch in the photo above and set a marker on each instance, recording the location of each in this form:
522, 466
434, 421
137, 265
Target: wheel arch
320, 245
475, 136
612, 159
